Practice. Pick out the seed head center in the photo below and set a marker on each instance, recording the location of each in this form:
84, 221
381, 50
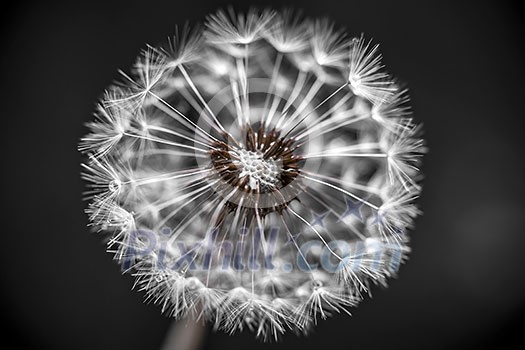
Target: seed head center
261, 162
261, 172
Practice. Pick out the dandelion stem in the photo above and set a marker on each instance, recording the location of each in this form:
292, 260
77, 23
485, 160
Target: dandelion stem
185, 334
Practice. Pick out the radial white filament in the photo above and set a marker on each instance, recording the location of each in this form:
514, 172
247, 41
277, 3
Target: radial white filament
259, 174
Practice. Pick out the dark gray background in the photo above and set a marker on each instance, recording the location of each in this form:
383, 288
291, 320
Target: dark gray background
463, 286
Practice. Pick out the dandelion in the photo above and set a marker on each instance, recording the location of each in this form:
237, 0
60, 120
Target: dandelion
260, 173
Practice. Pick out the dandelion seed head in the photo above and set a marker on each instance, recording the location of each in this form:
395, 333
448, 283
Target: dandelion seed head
259, 172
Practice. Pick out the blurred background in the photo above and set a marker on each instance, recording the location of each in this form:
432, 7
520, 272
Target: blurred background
463, 286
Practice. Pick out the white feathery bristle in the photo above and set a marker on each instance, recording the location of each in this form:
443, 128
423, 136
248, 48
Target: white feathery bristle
366, 76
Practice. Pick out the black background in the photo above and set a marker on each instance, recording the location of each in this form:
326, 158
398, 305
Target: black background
463, 286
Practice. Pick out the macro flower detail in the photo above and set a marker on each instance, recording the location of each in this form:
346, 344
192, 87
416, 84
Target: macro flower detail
260, 173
